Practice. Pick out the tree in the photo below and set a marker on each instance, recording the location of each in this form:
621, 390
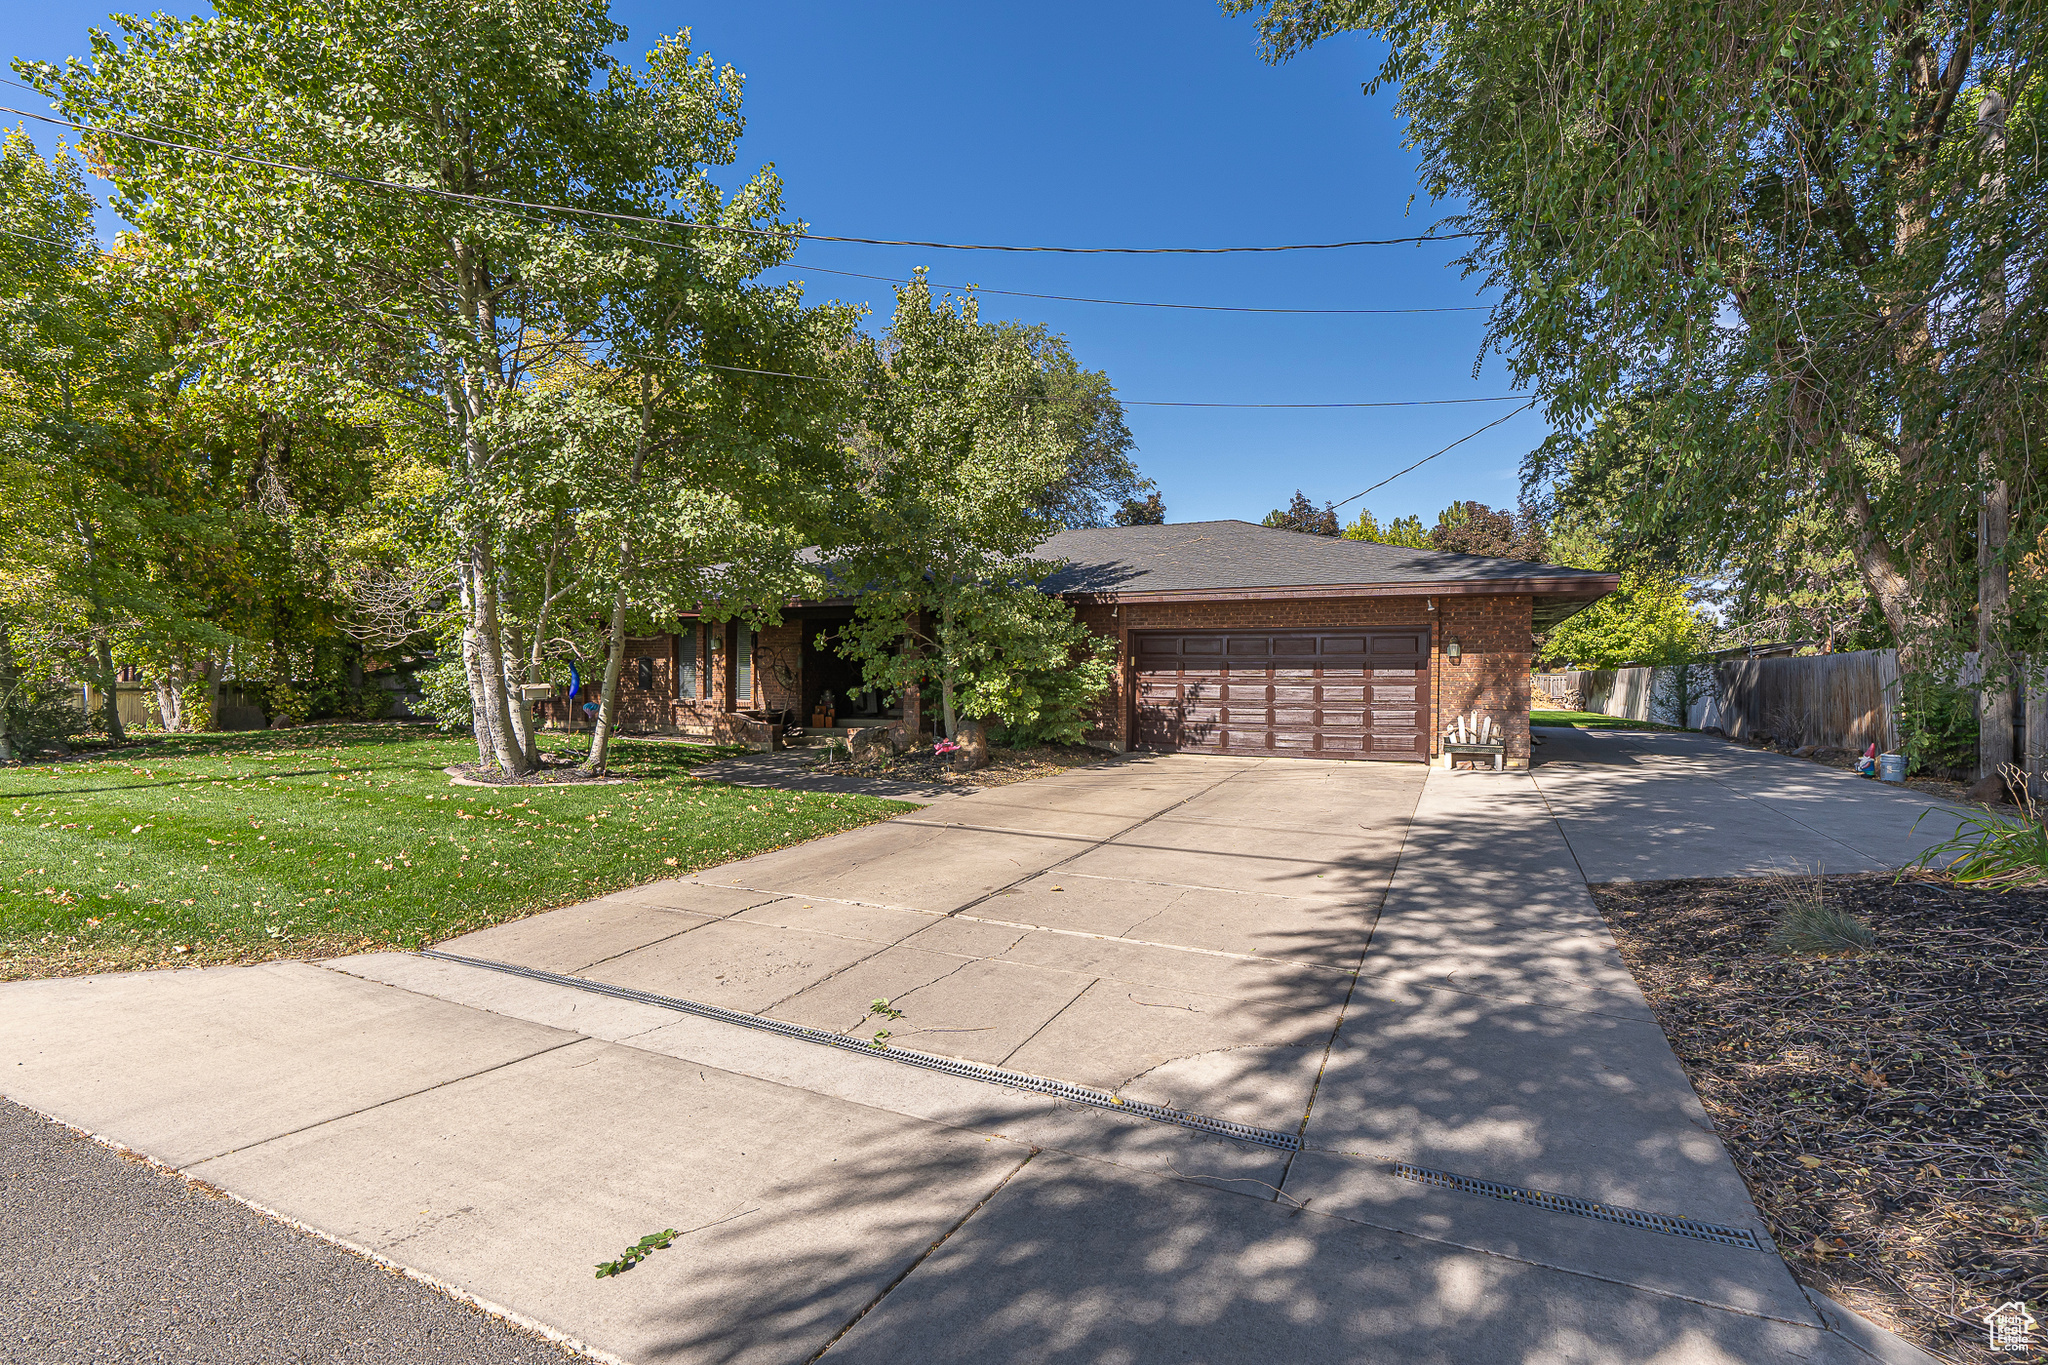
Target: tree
1303, 516
1650, 619
1100, 477
1406, 531
947, 477
1150, 512
1800, 249
1473, 528
443, 304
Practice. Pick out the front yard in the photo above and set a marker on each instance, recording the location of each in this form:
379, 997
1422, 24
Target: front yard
1888, 1105
342, 838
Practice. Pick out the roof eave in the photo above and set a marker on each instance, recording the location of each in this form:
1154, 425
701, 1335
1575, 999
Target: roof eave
1591, 586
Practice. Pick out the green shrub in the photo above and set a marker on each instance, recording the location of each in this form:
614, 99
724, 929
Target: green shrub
1938, 727
38, 716
445, 689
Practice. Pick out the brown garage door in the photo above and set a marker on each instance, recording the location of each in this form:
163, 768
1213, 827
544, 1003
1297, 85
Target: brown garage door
1321, 694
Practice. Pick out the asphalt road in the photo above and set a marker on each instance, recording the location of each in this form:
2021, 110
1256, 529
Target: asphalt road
105, 1258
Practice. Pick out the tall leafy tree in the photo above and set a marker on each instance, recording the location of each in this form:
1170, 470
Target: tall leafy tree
1473, 528
951, 465
441, 295
1303, 516
1408, 530
1800, 245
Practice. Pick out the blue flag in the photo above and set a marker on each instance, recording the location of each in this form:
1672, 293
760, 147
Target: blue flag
575, 682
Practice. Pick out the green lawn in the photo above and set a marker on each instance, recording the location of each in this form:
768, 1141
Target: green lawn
338, 838
1592, 720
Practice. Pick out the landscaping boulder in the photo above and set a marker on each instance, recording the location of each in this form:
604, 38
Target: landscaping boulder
1990, 790
867, 740
972, 737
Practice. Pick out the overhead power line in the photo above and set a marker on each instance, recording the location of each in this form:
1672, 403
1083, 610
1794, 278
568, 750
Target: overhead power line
1427, 458
1163, 403
493, 201
1128, 303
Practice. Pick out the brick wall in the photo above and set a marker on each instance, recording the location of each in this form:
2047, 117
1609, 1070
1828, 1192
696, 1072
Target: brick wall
1493, 676
1492, 631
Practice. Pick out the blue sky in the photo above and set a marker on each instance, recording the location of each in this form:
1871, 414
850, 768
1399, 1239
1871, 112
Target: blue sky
1138, 123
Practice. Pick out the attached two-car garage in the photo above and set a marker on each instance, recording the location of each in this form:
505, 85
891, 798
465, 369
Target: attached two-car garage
1326, 694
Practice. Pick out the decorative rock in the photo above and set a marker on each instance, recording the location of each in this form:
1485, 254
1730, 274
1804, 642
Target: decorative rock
862, 742
972, 737
1988, 790
1806, 751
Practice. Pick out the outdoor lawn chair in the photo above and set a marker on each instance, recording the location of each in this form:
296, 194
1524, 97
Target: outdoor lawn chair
1476, 735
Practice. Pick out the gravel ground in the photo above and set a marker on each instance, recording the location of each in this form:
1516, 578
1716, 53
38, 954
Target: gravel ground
106, 1258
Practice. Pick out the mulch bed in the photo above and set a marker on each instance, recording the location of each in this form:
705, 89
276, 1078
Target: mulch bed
1889, 1110
1004, 765
556, 770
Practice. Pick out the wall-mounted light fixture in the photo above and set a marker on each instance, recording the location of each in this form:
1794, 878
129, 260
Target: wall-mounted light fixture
1431, 601
1453, 651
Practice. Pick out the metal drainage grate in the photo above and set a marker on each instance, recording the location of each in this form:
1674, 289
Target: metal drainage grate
1584, 1208
1016, 1080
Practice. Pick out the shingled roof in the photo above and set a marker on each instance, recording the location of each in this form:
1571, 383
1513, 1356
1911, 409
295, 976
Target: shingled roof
1237, 559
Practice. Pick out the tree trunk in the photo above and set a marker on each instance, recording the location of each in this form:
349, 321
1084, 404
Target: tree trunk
608, 698
946, 715
491, 661
170, 698
1994, 517
110, 691
472, 669
615, 650
910, 729
10, 683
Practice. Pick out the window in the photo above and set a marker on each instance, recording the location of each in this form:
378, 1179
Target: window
643, 673
686, 664
743, 666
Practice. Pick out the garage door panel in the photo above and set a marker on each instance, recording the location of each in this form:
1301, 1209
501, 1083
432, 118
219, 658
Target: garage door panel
1329, 694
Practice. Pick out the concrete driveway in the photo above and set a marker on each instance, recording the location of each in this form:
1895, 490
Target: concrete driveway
1395, 967
1643, 805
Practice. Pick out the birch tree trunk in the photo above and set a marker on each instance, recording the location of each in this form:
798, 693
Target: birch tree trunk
615, 650
472, 667
491, 660
608, 696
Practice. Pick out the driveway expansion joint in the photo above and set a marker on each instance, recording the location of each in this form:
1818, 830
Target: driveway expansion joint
953, 1066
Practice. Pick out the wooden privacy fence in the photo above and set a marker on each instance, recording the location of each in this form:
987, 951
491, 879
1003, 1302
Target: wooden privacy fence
1847, 701
1844, 700
1555, 691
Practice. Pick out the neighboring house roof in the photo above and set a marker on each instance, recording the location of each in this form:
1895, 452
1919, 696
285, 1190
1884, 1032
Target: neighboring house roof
1207, 560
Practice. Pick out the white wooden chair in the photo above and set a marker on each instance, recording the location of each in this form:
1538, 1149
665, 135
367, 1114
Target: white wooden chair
1476, 735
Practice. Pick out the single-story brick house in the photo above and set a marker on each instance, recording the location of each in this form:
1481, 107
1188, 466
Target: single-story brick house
1231, 638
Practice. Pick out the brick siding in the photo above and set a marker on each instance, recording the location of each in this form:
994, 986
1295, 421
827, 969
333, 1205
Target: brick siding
1493, 631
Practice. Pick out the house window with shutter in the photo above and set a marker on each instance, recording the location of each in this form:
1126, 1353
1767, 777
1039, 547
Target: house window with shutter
743, 667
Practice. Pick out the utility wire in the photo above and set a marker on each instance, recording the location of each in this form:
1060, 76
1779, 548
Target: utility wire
1126, 303
27, 237
1427, 458
1158, 403
783, 234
